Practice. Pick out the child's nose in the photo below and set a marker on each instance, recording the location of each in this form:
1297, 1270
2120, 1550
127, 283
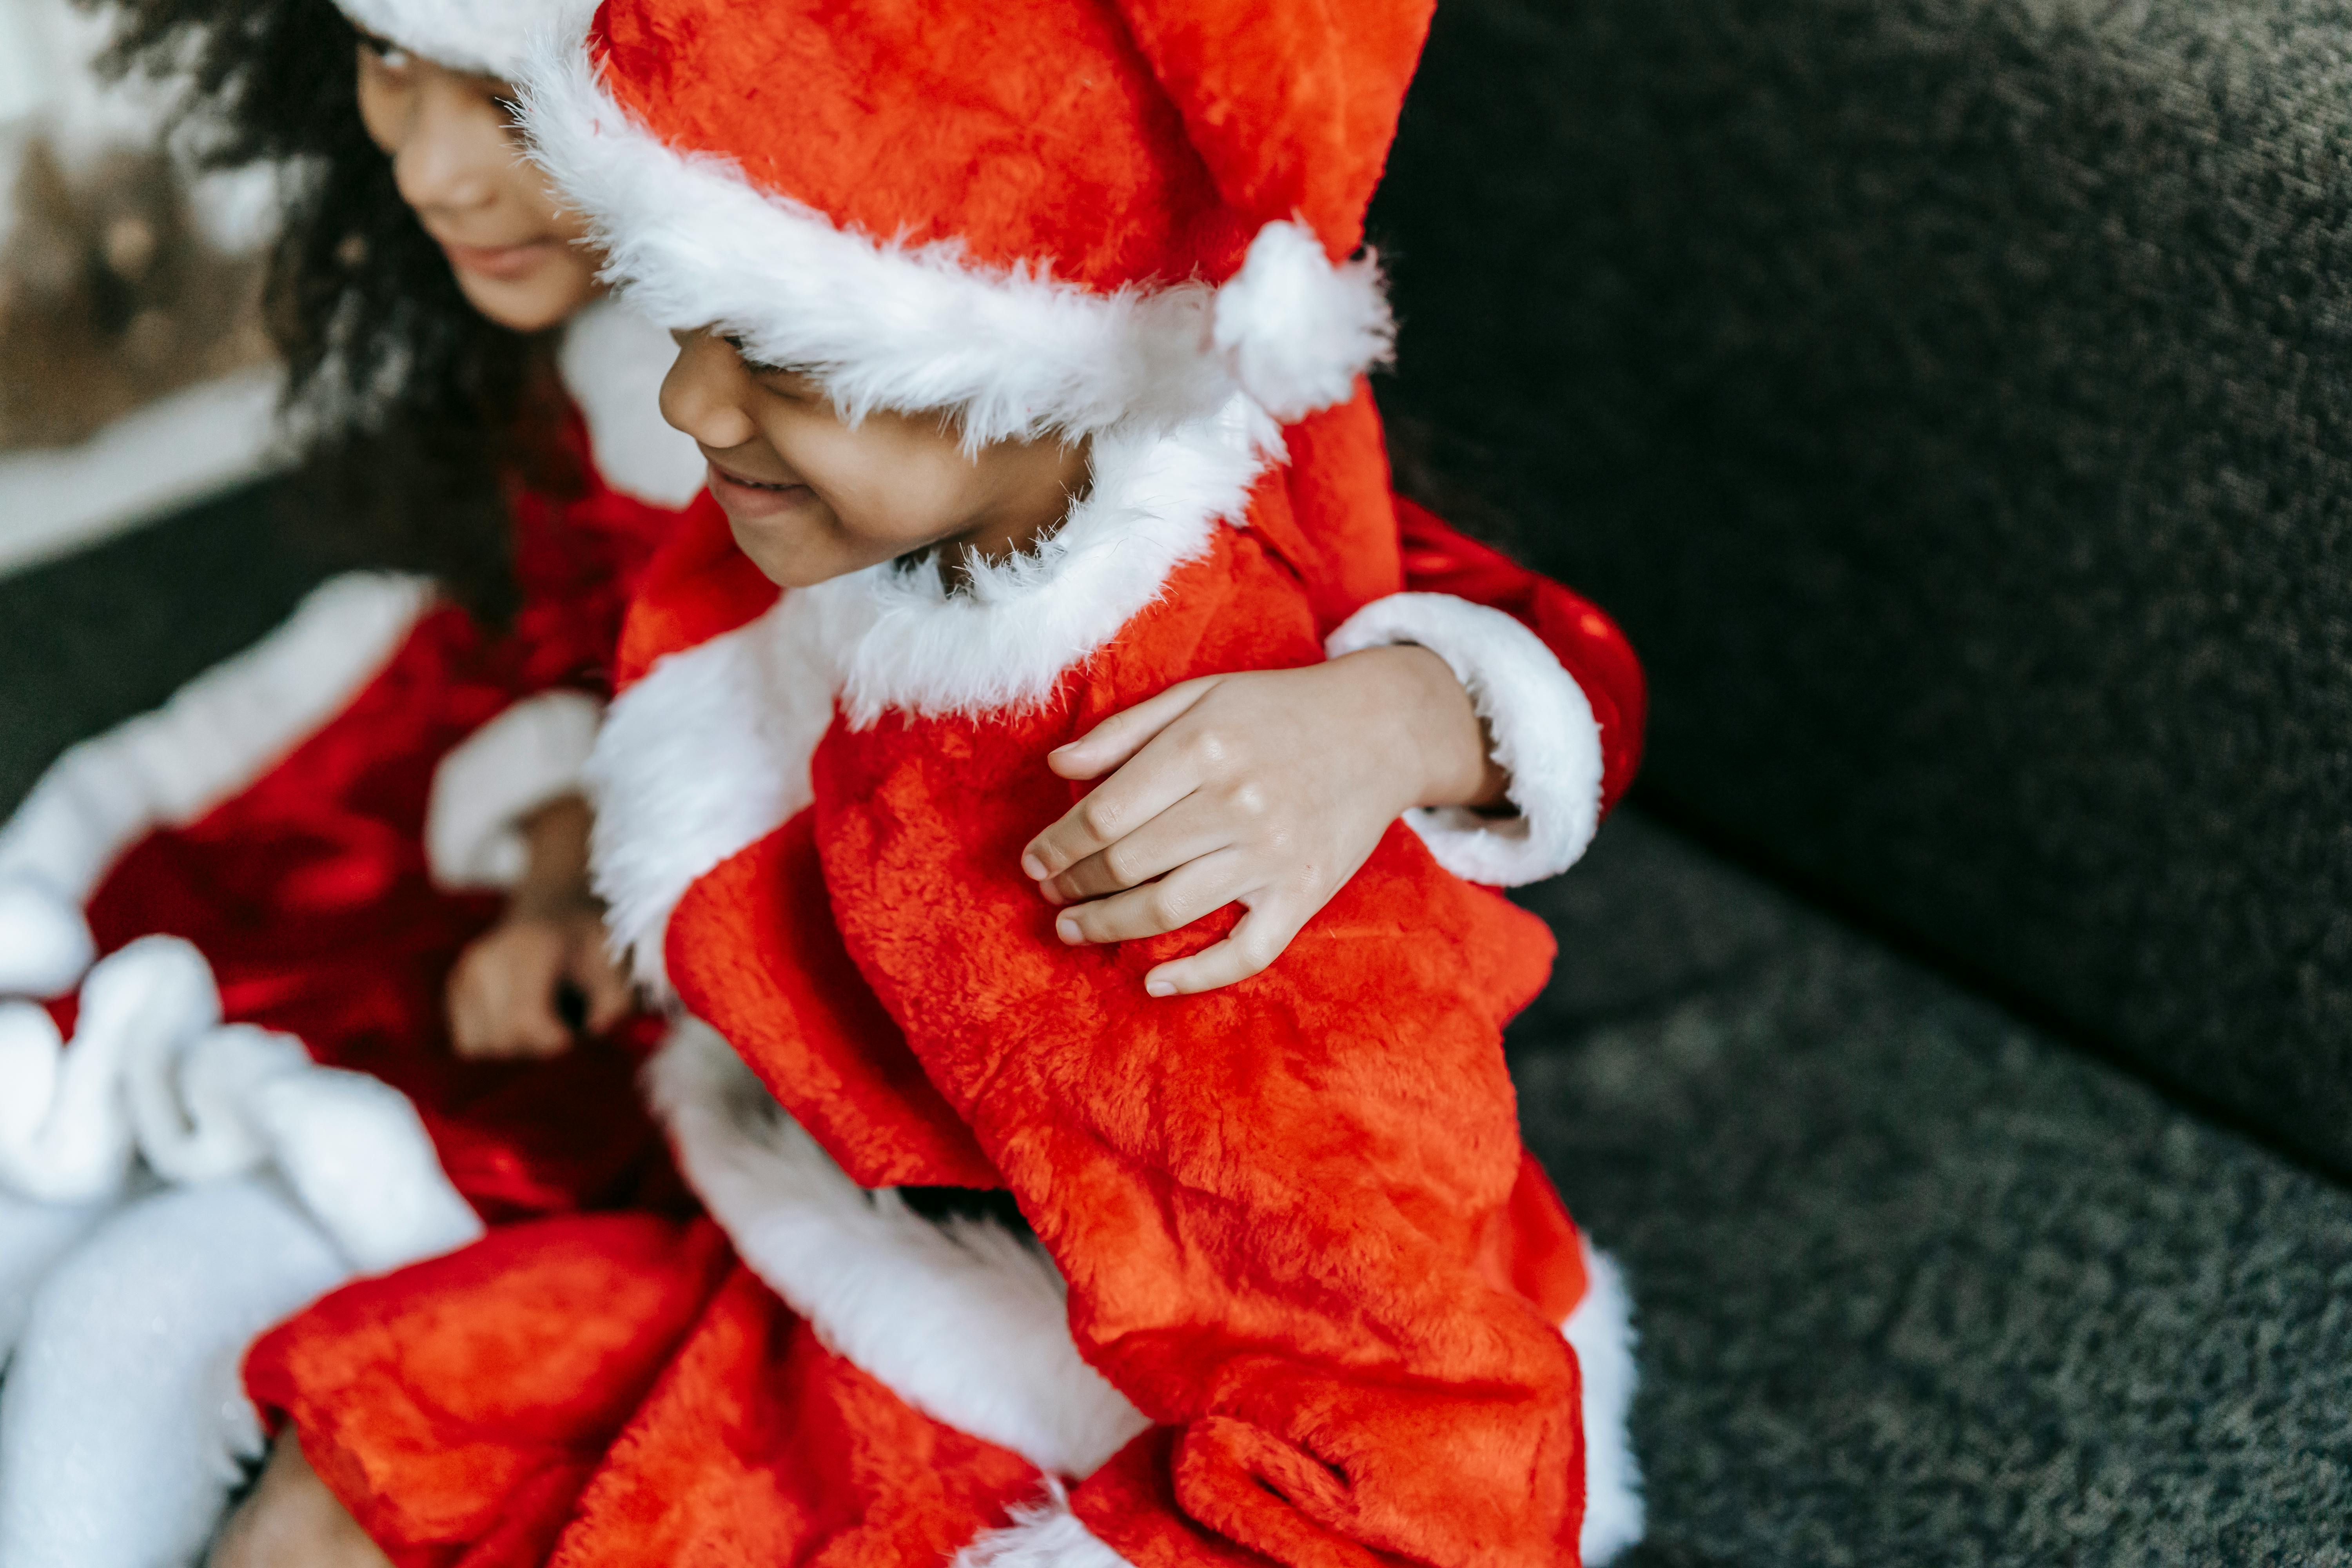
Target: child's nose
452, 152
702, 394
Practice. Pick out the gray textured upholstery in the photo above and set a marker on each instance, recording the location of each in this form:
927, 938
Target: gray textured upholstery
1916, 1283
1954, 397
99, 636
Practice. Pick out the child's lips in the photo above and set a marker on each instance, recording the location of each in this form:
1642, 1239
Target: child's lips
506, 263
754, 498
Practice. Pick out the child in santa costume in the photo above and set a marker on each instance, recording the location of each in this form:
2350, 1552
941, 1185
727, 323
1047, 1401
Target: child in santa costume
333, 818
284, 866
1012, 1259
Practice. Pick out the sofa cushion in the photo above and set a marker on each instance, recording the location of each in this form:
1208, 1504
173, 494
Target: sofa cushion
1916, 1282
1954, 398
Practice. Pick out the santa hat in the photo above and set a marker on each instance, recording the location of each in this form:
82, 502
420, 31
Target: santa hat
1053, 216
492, 37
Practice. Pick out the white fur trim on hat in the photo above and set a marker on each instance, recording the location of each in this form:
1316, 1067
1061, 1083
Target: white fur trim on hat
531, 756
489, 37
1015, 352
1545, 736
964, 1320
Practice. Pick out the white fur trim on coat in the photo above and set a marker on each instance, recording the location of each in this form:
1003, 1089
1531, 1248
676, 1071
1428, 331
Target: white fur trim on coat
531, 755
964, 1322
1041, 1535
710, 753
1545, 736
613, 362
900, 639
44, 941
704, 757
488, 38
220, 732
1601, 1330
1014, 353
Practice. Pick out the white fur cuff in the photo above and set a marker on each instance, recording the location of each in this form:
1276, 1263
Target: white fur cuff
1545, 736
529, 756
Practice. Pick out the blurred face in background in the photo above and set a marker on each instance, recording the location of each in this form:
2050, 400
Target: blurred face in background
457, 160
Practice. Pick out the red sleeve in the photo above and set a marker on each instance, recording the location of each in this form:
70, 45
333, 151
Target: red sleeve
1587, 644
1271, 1201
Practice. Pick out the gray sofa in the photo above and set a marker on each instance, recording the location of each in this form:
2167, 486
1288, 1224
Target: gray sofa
1953, 399
1954, 1039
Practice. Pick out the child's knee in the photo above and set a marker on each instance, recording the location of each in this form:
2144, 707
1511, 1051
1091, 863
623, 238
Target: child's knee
292, 1521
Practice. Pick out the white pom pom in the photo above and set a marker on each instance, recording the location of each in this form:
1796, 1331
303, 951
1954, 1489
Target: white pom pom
45, 943
1295, 331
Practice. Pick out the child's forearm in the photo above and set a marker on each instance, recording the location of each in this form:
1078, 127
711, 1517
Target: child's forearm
555, 876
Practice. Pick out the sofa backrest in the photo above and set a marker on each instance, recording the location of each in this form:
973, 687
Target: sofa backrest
1954, 399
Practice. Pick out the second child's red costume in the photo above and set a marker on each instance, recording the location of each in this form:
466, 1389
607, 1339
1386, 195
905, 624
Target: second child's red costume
1007, 1262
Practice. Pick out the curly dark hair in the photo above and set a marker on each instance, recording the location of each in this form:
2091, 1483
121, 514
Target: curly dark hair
417, 410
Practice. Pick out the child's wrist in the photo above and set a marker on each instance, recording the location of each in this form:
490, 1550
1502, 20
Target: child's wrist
1439, 730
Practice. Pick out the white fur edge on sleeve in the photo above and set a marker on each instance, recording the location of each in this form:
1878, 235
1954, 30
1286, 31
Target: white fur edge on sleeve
1545, 736
1041, 1535
529, 756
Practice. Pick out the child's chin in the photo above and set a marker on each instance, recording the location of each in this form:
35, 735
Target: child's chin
785, 562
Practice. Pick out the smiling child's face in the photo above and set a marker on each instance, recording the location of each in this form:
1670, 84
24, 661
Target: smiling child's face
459, 164
811, 497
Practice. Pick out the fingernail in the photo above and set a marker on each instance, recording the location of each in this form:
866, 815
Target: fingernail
1033, 866
1158, 987
1066, 928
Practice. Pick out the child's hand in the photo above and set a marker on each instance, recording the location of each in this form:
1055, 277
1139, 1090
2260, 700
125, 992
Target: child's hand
508, 993
1267, 789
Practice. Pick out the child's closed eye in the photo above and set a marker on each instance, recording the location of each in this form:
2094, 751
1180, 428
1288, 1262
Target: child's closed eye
793, 381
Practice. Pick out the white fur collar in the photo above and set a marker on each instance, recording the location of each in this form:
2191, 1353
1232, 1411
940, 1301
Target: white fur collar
710, 753
613, 362
900, 640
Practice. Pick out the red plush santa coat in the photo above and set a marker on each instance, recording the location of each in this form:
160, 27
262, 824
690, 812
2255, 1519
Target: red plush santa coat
1304, 1288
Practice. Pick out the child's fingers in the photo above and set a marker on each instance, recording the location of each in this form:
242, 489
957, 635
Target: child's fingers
1185, 831
608, 992
503, 997
1175, 901
1153, 780
1111, 742
1261, 938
